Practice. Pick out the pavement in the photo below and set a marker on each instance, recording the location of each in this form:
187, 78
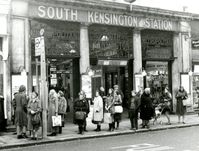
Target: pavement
9, 140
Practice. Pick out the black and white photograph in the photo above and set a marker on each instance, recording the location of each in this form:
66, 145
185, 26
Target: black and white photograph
99, 75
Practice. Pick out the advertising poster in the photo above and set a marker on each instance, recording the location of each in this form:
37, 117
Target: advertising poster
86, 85
17, 81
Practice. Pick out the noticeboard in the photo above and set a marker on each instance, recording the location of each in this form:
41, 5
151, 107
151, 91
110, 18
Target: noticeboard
185, 81
86, 85
17, 81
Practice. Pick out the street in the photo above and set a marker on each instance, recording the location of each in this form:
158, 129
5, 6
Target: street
181, 139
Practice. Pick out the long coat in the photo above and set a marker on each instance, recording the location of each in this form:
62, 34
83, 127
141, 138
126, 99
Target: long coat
81, 105
109, 103
62, 104
52, 110
20, 103
146, 107
133, 105
180, 96
98, 109
36, 107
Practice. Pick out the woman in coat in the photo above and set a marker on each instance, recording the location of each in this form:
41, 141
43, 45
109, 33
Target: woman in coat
109, 107
133, 106
34, 110
62, 104
166, 100
117, 98
146, 108
81, 106
52, 111
98, 111
21, 120
180, 108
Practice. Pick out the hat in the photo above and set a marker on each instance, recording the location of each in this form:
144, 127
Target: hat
61, 93
22, 88
115, 86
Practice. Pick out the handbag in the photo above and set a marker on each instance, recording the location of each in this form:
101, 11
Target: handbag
35, 119
185, 102
80, 115
118, 109
56, 121
107, 118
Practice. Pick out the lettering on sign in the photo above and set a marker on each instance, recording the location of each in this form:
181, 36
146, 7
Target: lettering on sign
69, 14
57, 13
126, 20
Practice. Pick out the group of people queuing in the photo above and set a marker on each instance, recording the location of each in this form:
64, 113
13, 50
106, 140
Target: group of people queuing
108, 108
112, 104
28, 112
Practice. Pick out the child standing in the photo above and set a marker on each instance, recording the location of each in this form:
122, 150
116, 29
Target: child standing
34, 109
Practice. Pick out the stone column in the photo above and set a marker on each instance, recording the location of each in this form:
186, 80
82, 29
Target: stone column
84, 62
84, 48
176, 66
137, 64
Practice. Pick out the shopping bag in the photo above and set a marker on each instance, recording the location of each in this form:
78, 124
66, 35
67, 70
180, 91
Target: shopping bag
185, 102
118, 109
107, 118
35, 119
56, 120
80, 115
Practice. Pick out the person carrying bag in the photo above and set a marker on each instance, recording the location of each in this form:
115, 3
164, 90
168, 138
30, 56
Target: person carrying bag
81, 109
34, 110
117, 107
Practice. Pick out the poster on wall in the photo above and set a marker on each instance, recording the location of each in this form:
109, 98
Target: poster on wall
17, 81
138, 82
86, 85
185, 82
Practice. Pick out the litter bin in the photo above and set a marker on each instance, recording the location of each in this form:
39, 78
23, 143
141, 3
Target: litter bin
2, 118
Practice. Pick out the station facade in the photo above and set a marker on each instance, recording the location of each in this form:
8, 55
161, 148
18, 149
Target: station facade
116, 43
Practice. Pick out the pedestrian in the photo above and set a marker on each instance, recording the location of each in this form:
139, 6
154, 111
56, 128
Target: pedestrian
180, 107
14, 110
52, 111
116, 88
62, 104
34, 118
98, 111
81, 109
146, 108
166, 100
133, 106
21, 121
118, 108
109, 107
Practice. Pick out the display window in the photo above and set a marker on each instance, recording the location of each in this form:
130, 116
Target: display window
157, 77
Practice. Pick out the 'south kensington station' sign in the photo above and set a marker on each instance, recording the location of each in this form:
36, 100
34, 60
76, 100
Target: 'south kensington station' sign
100, 17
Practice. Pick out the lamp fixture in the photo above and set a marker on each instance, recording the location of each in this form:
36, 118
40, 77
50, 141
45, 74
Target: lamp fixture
144, 73
104, 38
23, 72
190, 72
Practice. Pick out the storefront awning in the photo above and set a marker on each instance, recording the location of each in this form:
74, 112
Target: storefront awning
113, 62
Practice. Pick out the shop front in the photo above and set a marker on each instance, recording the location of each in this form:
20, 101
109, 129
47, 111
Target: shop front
107, 39
157, 53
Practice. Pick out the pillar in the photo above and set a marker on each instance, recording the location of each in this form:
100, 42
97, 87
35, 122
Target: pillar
84, 50
176, 66
137, 64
